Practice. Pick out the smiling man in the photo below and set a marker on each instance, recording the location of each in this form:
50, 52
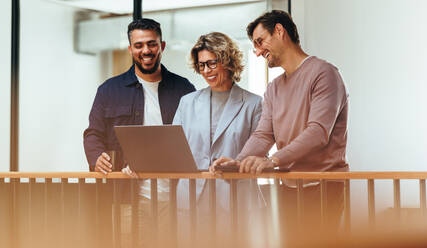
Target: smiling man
147, 94
304, 113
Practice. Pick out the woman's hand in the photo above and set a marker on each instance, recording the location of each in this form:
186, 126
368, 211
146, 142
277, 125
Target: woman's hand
223, 161
129, 172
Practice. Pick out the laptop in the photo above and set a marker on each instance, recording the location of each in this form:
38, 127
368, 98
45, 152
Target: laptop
156, 148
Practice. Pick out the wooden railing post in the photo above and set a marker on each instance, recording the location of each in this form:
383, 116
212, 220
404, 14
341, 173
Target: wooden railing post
135, 217
154, 211
396, 197
347, 206
212, 210
371, 202
423, 198
6, 198
233, 212
300, 204
173, 212
323, 202
193, 212
14, 238
106, 225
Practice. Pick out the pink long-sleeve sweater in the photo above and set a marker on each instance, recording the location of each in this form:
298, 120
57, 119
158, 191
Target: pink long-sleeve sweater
305, 114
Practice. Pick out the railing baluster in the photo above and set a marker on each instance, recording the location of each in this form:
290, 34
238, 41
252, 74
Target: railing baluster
14, 213
52, 211
45, 214
87, 195
193, 211
173, 212
64, 181
396, 197
5, 213
212, 210
233, 211
300, 204
371, 202
154, 211
71, 213
22, 212
30, 235
117, 234
274, 229
347, 206
80, 242
97, 232
135, 218
37, 212
423, 197
323, 201
107, 221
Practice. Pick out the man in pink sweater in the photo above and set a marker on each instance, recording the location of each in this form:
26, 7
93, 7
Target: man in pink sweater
304, 113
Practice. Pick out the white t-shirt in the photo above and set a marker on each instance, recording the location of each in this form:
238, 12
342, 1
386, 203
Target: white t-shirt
153, 116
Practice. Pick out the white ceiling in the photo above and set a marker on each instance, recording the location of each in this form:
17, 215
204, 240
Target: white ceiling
126, 6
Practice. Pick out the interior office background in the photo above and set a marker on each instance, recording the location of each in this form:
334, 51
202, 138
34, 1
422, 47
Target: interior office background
379, 47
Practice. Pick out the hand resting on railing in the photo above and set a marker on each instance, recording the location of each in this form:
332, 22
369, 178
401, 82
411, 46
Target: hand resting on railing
129, 172
251, 164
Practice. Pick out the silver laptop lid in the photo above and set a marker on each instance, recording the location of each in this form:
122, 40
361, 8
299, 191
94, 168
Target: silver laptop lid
156, 148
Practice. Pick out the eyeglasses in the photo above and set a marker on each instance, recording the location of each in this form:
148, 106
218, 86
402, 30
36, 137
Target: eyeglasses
211, 64
258, 41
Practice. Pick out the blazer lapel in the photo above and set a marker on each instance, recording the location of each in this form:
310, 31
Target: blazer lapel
231, 109
203, 111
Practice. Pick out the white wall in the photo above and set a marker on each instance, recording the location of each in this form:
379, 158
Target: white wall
5, 51
57, 89
380, 49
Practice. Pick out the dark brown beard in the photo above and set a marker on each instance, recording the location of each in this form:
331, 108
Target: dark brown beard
145, 71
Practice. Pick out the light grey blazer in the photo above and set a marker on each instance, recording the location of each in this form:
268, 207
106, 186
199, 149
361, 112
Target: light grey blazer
238, 120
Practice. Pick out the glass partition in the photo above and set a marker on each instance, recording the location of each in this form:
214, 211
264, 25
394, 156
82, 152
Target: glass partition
68, 48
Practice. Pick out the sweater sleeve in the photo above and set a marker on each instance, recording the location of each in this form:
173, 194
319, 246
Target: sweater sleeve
94, 135
328, 98
262, 139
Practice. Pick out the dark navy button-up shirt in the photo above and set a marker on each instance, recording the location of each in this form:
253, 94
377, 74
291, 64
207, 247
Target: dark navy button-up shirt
120, 101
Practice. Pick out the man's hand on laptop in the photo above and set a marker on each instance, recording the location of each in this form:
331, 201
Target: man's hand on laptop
223, 161
129, 172
103, 163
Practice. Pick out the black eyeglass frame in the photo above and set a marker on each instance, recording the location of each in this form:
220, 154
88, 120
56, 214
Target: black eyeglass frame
211, 64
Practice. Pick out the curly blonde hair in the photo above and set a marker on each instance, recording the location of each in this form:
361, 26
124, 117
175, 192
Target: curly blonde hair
226, 50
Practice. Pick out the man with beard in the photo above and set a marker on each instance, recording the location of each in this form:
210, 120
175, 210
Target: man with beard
147, 94
305, 114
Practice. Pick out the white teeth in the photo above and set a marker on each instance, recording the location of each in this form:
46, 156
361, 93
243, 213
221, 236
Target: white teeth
147, 59
267, 55
211, 77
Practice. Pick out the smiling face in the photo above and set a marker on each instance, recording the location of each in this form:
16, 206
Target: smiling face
218, 78
146, 50
267, 45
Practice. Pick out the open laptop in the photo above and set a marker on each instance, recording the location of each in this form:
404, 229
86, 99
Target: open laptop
156, 148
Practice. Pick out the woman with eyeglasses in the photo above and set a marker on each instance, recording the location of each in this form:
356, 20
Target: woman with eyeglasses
217, 121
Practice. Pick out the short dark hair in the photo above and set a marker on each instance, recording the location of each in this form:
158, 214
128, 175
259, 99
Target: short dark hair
269, 21
145, 24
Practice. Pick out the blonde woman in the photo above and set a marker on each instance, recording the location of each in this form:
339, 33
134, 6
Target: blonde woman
217, 121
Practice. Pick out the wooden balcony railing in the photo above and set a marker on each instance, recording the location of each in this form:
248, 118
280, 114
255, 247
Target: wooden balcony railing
85, 209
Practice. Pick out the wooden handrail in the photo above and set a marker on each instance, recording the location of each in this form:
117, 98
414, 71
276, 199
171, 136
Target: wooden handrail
207, 175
